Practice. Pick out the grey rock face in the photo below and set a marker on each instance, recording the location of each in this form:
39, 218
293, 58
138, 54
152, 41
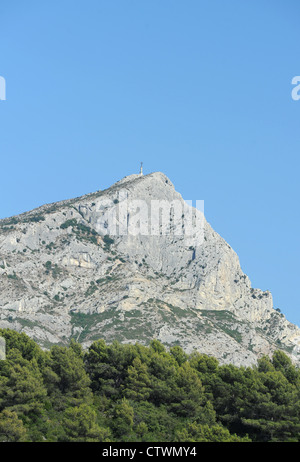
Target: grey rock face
113, 265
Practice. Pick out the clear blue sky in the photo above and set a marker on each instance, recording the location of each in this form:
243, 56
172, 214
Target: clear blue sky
200, 90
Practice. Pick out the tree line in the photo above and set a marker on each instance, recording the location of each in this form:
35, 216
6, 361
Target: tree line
131, 393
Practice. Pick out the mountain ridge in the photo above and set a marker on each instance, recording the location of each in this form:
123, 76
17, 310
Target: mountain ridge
63, 276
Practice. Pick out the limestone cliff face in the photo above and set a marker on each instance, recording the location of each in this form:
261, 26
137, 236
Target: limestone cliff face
128, 263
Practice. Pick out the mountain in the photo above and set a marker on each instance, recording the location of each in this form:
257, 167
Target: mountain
132, 263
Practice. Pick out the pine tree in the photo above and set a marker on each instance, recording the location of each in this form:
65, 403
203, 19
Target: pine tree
137, 386
11, 427
80, 424
122, 422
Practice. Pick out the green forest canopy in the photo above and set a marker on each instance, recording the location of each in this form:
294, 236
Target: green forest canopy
123, 392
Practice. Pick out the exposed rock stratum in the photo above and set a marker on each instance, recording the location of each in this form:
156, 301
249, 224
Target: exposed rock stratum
98, 267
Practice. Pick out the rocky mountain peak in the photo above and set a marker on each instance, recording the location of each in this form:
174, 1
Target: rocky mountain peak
132, 263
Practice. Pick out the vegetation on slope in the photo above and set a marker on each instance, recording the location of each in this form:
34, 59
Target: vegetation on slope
136, 393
